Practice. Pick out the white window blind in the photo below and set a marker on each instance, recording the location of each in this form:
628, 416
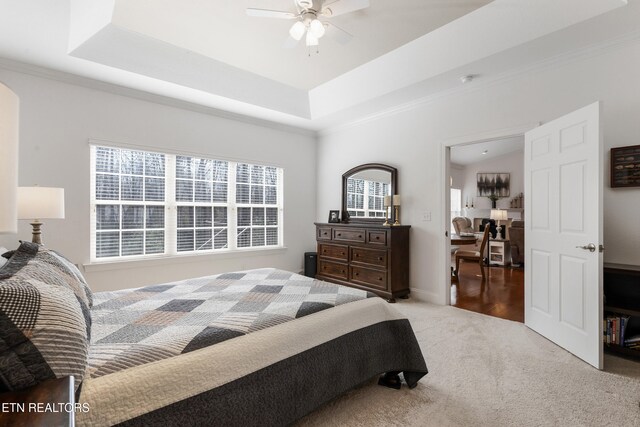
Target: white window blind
366, 198
257, 203
146, 203
202, 205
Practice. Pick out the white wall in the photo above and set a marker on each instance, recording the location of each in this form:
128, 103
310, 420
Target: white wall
56, 121
541, 94
512, 163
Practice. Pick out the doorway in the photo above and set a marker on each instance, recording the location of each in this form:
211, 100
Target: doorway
486, 190
563, 166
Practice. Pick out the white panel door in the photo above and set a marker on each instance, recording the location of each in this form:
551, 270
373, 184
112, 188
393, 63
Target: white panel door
563, 232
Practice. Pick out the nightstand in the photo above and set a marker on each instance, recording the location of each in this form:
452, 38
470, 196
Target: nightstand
50, 403
499, 252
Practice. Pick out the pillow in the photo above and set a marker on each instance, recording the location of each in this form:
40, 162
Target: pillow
45, 322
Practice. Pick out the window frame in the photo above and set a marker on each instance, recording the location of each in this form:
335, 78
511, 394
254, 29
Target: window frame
171, 207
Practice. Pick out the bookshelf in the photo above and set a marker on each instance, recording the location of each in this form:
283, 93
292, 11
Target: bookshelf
622, 300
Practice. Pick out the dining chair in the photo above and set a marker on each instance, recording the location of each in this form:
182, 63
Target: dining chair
476, 256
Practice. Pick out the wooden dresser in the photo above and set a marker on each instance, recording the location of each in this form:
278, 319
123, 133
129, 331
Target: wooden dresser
370, 257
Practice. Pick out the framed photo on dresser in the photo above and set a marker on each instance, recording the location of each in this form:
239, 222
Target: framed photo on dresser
334, 216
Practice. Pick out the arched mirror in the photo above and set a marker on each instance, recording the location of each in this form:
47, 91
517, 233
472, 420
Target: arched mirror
363, 191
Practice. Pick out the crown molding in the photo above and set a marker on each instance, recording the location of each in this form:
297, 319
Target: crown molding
87, 82
587, 52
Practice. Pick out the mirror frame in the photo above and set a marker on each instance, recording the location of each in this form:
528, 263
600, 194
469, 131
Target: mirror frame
360, 168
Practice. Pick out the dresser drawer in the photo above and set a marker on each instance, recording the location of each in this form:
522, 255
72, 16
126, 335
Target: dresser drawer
377, 237
323, 233
368, 277
349, 234
333, 251
333, 269
375, 257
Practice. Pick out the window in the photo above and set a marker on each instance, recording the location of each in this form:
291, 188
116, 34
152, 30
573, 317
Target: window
257, 201
366, 198
146, 203
456, 205
201, 198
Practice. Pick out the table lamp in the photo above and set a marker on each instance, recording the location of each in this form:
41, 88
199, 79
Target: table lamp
395, 200
499, 215
387, 205
36, 203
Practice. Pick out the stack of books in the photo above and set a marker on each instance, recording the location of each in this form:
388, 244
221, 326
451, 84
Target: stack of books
616, 331
633, 342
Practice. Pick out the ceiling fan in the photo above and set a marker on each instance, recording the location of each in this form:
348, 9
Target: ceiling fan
307, 15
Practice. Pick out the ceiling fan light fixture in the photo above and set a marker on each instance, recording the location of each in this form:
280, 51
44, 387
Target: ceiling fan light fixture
297, 30
311, 39
316, 28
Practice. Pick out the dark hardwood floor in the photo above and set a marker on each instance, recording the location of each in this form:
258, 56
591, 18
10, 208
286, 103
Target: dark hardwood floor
500, 295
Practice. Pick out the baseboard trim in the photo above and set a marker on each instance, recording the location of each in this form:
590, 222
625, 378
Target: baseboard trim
426, 296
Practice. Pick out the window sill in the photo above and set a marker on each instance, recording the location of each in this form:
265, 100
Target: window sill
120, 264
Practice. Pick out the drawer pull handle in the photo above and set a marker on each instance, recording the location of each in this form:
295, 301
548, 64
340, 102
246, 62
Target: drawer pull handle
357, 255
359, 236
377, 237
342, 271
339, 234
379, 258
380, 278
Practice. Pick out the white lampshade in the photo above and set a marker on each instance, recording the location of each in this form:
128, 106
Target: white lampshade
498, 214
40, 203
387, 201
311, 40
297, 30
8, 160
316, 28
396, 200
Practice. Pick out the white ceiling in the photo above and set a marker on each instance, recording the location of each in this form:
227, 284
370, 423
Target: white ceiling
210, 54
472, 153
222, 30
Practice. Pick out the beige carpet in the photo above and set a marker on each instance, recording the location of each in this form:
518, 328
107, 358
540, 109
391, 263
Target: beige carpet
486, 371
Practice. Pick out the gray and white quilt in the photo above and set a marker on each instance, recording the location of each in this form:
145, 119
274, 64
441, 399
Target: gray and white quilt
137, 326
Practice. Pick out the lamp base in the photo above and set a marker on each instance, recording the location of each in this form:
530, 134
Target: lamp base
397, 215
36, 237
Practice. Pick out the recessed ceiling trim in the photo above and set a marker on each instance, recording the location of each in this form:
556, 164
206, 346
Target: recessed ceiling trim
170, 101
494, 28
120, 48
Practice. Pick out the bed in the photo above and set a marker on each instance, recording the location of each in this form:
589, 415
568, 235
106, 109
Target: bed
257, 347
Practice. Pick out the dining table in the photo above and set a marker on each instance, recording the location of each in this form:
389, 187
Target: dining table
463, 240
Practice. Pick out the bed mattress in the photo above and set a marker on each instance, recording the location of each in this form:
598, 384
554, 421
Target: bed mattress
260, 347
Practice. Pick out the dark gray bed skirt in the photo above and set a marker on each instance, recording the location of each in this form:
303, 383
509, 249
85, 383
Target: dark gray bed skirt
286, 391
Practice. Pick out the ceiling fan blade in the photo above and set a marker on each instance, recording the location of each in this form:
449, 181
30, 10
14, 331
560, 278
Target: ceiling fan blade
265, 13
338, 34
340, 7
290, 43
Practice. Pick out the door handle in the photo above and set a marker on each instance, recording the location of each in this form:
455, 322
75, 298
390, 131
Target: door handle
590, 247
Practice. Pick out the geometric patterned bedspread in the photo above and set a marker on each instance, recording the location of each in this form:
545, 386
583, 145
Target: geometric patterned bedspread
136, 326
